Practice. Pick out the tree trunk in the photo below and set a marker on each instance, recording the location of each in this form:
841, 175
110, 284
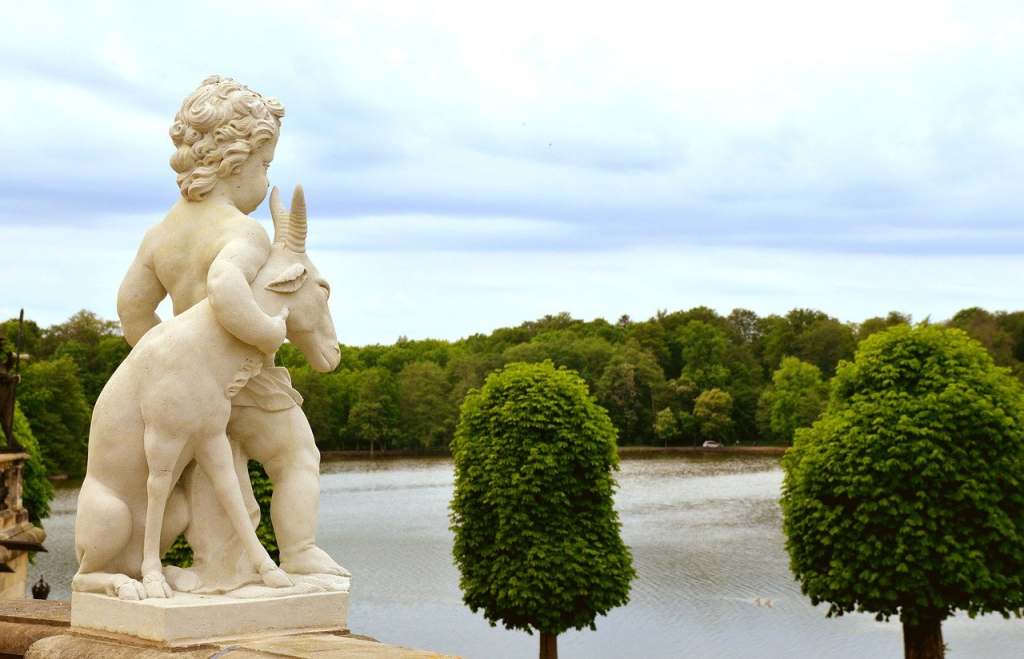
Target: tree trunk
548, 646
923, 640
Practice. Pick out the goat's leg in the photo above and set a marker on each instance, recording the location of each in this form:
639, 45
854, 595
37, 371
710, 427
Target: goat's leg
163, 455
120, 586
214, 456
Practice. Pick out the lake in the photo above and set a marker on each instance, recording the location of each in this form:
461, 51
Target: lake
713, 578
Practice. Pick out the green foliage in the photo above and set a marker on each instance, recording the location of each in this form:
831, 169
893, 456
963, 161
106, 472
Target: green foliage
374, 414
536, 534
423, 404
907, 496
824, 343
631, 388
634, 368
180, 553
702, 352
84, 327
51, 397
794, 399
36, 489
666, 426
712, 411
587, 355
327, 400
263, 490
879, 324
31, 336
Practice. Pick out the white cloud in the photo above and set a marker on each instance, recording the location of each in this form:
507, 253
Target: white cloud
450, 143
380, 294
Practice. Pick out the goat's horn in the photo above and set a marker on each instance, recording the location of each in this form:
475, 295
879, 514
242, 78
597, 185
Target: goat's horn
296, 237
279, 215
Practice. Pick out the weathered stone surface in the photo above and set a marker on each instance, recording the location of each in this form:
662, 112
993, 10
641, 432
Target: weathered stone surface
23, 622
69, 646
185, 619
309, 646
328, 646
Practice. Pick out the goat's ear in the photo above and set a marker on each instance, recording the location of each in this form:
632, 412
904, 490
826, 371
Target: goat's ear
290, 280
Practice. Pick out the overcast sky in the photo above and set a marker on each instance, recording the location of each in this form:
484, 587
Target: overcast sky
468, 168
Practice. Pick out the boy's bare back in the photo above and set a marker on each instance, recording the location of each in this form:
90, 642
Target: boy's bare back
199, 250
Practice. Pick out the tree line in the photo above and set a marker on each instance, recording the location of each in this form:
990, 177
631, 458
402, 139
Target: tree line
678, 378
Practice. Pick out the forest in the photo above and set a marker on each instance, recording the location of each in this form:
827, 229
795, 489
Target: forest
678, 378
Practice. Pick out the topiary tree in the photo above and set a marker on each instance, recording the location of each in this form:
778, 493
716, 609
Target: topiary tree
536, 535
906, 498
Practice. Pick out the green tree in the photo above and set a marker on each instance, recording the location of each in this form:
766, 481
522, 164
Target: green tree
824, 343
31, 335
326, 401
775, 340
652, 337
986, 328
588, 356
794, 399
631, 388
713, 410
466, 370
424, 410
36, 489
536, 535
51, 397
879, 324
95, 362
84, 327
906, 498
745, 325
702, 349
373, 417
666, 426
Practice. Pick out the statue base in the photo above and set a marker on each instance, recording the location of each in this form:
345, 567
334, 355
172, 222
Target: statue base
188, 619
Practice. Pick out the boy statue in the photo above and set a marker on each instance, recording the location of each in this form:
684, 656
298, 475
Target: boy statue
208, 247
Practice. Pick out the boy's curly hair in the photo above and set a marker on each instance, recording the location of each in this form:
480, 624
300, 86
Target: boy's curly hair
216, 129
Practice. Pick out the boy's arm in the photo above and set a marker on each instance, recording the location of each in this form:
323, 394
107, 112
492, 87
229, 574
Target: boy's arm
228, 287
138, 298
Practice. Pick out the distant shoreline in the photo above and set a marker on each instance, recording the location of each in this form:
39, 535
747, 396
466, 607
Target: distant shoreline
624, 452
636, 451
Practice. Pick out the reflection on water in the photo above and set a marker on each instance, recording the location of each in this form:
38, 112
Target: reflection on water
707, 544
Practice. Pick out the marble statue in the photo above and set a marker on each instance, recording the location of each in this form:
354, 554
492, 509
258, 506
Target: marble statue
199, 394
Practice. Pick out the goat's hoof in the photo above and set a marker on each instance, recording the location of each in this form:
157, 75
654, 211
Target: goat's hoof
183, 580
131, 589
275, 577
156, 586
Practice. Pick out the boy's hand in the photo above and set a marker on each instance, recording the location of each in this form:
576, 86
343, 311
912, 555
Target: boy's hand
277, 334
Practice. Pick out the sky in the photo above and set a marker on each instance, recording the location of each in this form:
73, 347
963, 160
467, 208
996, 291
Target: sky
469, 166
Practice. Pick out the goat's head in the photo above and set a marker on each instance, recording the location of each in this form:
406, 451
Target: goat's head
290, 274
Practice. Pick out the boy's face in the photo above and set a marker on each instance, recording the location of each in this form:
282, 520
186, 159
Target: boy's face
249, 186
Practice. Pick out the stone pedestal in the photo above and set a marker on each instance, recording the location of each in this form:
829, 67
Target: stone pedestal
39, 630
303, 646
188, 620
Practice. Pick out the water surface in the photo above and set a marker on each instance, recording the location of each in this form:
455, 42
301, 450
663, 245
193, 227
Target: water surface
713, 579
